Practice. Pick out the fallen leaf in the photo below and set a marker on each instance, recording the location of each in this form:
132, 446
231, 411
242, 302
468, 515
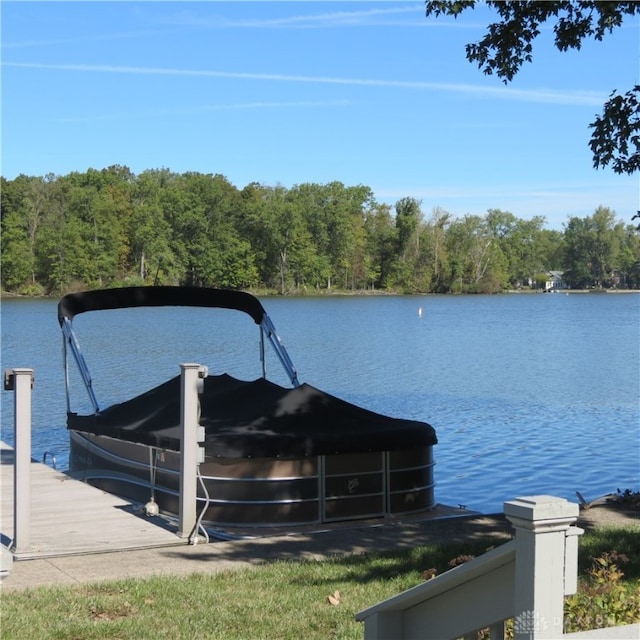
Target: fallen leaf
427, 574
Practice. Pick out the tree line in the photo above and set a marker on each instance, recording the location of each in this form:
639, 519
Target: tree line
110, 227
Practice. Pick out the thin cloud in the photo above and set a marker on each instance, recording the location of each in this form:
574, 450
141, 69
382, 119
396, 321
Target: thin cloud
369, 17
205, 108
127, 35
547, 96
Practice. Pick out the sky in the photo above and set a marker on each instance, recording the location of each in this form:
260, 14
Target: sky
284, 93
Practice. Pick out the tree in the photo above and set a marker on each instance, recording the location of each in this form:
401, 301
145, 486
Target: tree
477, 263
312, 201
436, 236
349, 246
593, 249
65, 255
280, 231
629, 258
517, 240
207, 242
17, 269
616, 135
508, 44
409, 220
381, 243
149, 231
17, 263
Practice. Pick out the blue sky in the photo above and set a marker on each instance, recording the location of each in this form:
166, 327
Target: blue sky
284, 93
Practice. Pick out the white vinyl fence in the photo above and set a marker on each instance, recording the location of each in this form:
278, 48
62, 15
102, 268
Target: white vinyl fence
525, 579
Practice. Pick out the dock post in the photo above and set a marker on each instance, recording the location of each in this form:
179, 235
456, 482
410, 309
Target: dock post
191, 380
20, 381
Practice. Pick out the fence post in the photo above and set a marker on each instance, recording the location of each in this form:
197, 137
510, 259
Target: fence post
190, 383
20, 381
541, 524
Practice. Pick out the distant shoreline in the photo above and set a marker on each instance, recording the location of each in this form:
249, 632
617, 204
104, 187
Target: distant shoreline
8, 295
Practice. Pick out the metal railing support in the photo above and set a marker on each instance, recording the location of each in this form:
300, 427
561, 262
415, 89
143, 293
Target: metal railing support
20, 381
191, 453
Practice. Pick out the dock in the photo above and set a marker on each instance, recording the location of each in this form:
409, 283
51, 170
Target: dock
69, 517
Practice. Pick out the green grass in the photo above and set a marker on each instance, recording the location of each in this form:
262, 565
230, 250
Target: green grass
623, 540
282, 600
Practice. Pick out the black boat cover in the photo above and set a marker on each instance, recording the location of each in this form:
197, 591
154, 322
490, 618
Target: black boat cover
256, 419
121, 298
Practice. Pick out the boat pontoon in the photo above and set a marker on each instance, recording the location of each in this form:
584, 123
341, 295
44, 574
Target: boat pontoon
274, 455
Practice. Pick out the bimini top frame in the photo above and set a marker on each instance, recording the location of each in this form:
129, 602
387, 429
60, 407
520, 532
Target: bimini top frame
126, 297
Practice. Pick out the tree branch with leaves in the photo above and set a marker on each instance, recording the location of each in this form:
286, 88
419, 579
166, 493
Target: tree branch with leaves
508, 44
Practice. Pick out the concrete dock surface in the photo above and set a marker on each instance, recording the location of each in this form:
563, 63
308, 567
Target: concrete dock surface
224, 555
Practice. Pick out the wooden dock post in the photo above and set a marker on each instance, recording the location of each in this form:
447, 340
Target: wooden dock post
20, 381
190, 454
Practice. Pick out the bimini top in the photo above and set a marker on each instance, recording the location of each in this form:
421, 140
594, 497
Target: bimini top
128, 297
102, 299
256, 419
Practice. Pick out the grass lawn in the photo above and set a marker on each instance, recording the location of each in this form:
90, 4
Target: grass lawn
278, 601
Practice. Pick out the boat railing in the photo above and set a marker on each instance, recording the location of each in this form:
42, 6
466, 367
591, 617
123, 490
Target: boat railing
54, 458
267, 328
70, 342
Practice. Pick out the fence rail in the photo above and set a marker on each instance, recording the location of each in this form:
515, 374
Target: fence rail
525, 579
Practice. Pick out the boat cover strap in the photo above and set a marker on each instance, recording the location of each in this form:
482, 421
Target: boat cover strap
256, 419
125, 297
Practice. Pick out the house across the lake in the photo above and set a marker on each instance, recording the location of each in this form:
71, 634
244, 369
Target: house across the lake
554, 281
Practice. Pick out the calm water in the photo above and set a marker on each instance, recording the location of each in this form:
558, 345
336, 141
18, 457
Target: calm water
528, 393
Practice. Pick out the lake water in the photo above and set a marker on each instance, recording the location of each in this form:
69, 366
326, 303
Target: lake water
529, 394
